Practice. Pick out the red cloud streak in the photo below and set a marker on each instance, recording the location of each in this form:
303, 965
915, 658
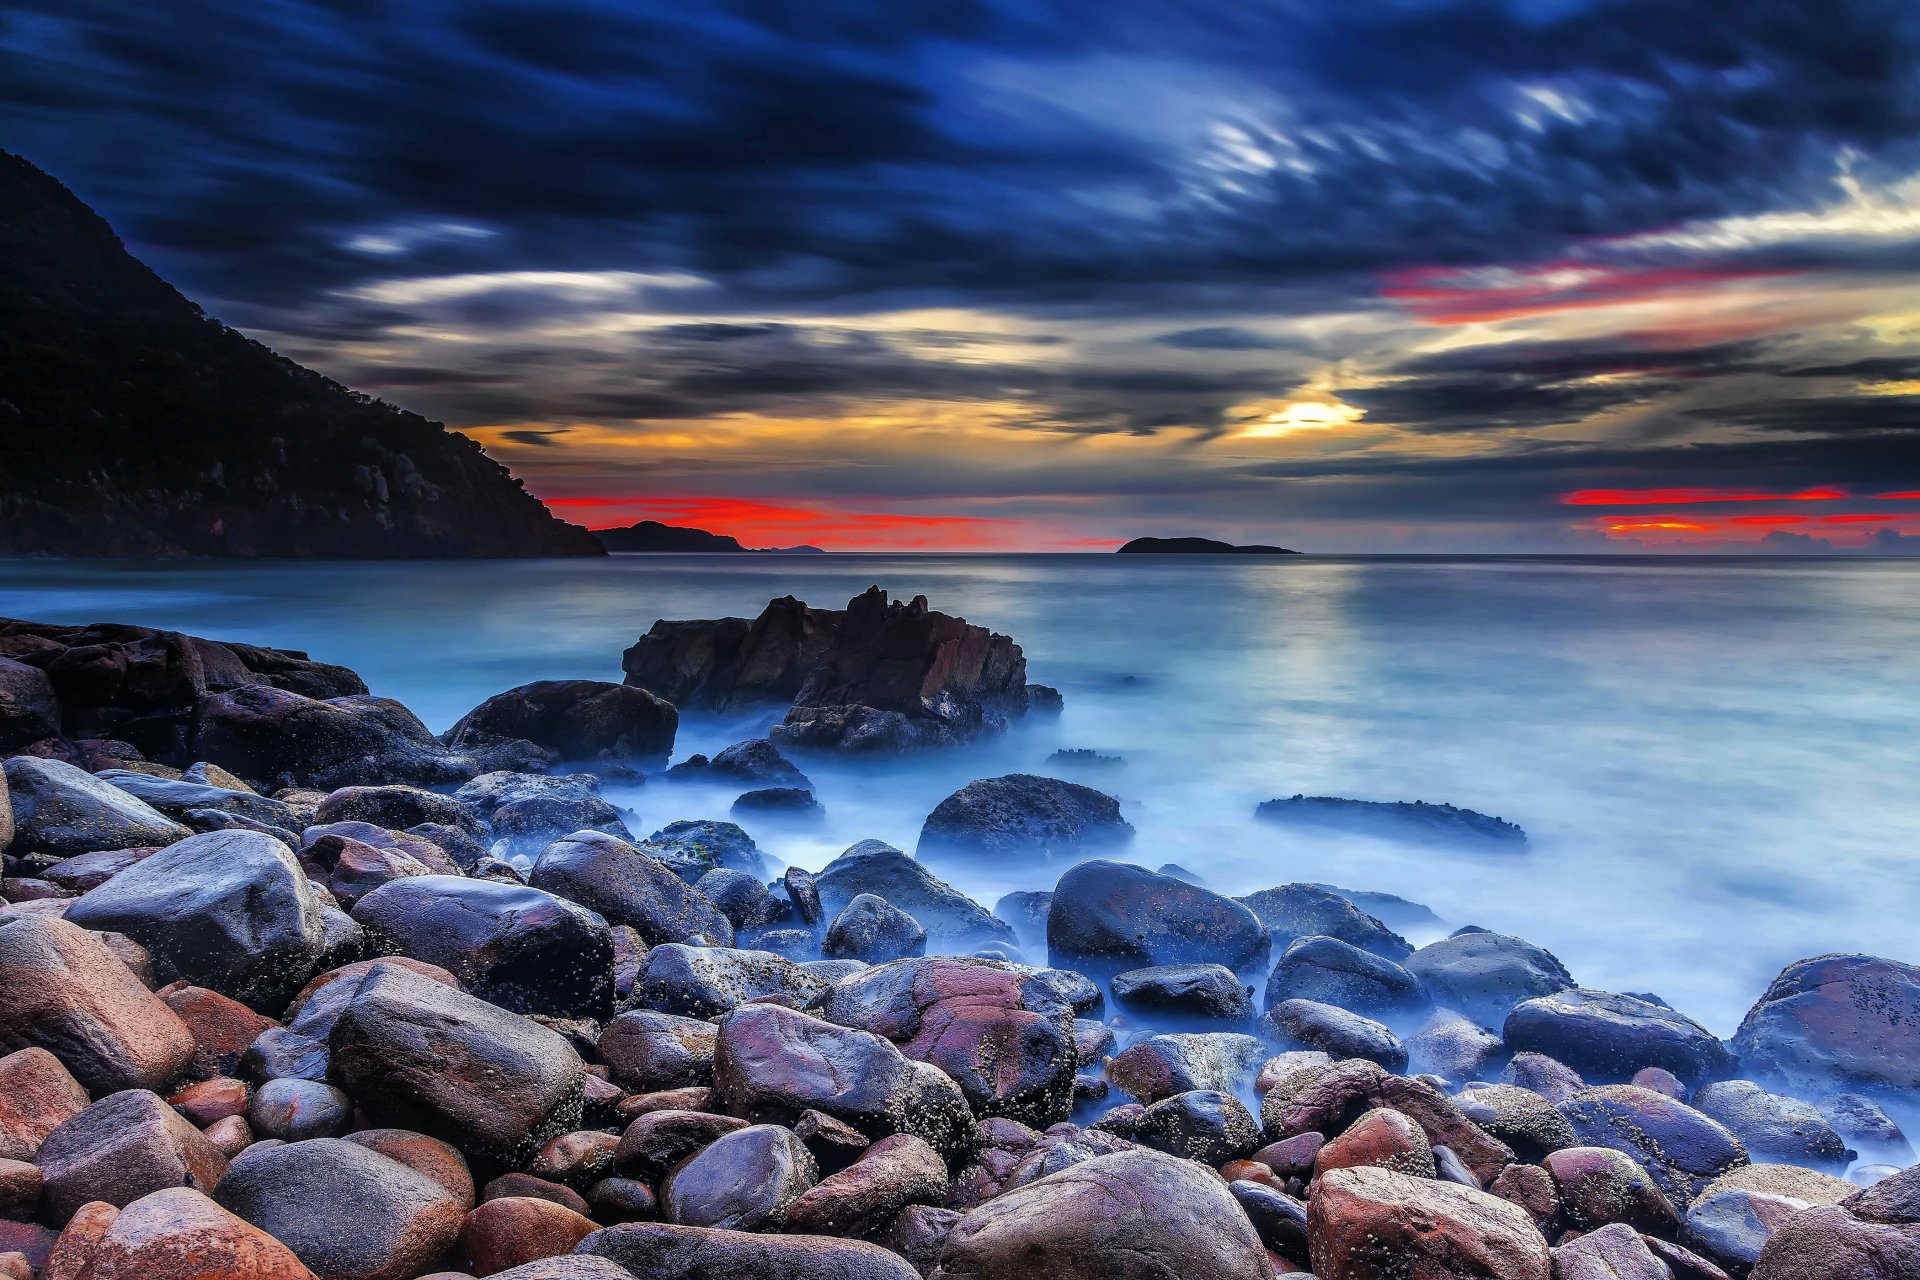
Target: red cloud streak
1449, 295
1682, 497
774, 523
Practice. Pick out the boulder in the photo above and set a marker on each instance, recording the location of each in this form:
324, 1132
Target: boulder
29, 710
574, 719
529, 811
1682, 1149
1521, 1118
1026, 911
1732, 1227
1004, 1035
1160, 1066
62, 990
1484, 975
565, 1267
1895, 1199
1201, 1125
1193, 994
1133, 1213
1608, 1037
953, 921
121, 1148
296, 1110
1327, 1099
207, 1101
871, 929
228, 910
693, 847
1454, 1048
1597, 1186
745, 901
1380, 1139
1023, 815
1549, 1077
645, 1050
37, 1096
180, 799
61, 810
771, 1064
700, 982
1109, 916
742, 1181
415, 1055
1292, 911
663, 1251
395, 808
1836, 1021
522, 949
222, 1028
863, 1198
1308, 1024
755, 762
626, 886
1828, 1243
1774, 1128
658, 1141
180, 1234
511, 1232
1338, 973
1611, 1253
355, 869
347, 1212
313, 1012
1414, 821
1374, 1224
793, 804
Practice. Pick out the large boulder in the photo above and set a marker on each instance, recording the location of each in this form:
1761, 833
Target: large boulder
417, 1055
1111, 916
1160, 1066
1772, 1128
1611, 1253
180, 798
772, 1064
646, 1051
63, 991
529, 811
754, 762
741, 1181
345, 1210
1021, 815
664, 1251
1608, 1037
1484, 975
1828, 1243
1292, 911
61, 810
1003, 1034
1131, 1214
37, 1096
953, 921
864, 1197
1682, 1149
1836, 1021
396, 808
1192, 994
121, 1148
700, 982
229, 910
1327, 1099
872, 930
1309, 1024
625, 886
692, 847
1203, 1125
1374, 1224
181, 1235
1335, 972
574, 719
517, 947
29, 711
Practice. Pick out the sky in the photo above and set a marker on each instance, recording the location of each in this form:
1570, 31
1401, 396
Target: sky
1367, 276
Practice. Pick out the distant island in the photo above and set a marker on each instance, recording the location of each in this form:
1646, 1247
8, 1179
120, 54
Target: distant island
652, 536
1198, 547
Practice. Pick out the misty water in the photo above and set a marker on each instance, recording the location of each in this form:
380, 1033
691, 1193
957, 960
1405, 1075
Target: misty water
1715, 758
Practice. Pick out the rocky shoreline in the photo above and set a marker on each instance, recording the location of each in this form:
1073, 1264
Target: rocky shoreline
291, 987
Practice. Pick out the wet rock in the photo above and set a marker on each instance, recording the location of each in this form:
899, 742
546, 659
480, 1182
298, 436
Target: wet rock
1047, 1154
528, 811
429, 1157
1681, 1148
1786, 1180
228, 910
1611, 1253
74, 1247
574, 719
29, 708
1836, 1020
401, 1221
520, 948
279, 1054
1374, 1224
1110, 916
565, 1267
1201, 1125
834, 1143
1607, 1036
1333, 972
121, 1148
91, 870
1325, 1100
918, 1234
1773, 1128
871, 929
1828, 1243
742, 1181
396, 808
1278, 1218
864, 1197
1530, 1187
1025, 912
803, 891
37, 1096
1162, 1065
693, 848
647, 1051
222, 1028
1023, 814
700, 982
1308, 1024
1101, 1218
622, 1200
1184, 993
1598, 1185
663, 1251
743, 900
180, 1234
953, 921
772, 1064
1484, 975
295, 1110
577, 1160
525, 1186
626, 886
657, 1141
1293, 911
19, 1189
1004, 1035
321, 844
61, 810
517, 1231
1660, 1080
1521, 1118
1414, 821
1549, 1077
1380, 1139
1862, 1123
62, 990
178, 798
754, 761
1733, 1227
313, 1012
791, 803
416, 1055
356, 869
1454, 1048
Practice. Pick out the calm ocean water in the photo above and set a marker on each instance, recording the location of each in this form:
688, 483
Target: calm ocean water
1716, 758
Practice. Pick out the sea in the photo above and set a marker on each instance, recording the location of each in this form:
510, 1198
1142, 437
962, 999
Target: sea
1717, 760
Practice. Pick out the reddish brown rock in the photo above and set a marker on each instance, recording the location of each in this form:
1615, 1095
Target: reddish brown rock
525, 1186
1530, 1187
1828, 1243
645, 1051
16, 1266
1336, 1095
1374, 1224
74, 1248
577, 1159
121, 1148
862, 1198
1614, 1252
28, 1239
501, 1234
1380, 1139
661, 1251
222, 1028
19, 1190
429, 1156
37, 1096
692, 1099
230, 1136
212, 1100
1292, 1157
62, 990
179, 1234
1598, 1185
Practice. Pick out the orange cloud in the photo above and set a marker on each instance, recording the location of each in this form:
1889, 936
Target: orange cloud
1662, 497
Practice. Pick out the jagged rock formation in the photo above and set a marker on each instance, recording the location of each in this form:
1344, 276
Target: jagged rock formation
873, 676
132, 424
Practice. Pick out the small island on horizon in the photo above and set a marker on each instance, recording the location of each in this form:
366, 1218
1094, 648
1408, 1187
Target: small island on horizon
1198, 547
650, 536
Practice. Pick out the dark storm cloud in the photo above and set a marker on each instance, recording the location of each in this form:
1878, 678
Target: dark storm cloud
1224, 338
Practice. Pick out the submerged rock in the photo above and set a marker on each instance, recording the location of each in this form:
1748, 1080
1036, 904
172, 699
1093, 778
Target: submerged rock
1415, 821
1292, 911
1484, 975
953, 921
1023, 814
